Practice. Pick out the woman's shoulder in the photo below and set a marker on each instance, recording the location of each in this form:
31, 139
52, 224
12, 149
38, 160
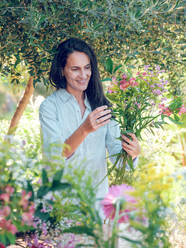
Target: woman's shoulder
49, 103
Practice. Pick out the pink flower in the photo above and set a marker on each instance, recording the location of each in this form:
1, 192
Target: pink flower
182, 110
5, 212
115, 193
24, 199
138, 104
124, 76
12, 228
110, 90
133, 82
8, 226
164, 110
2, 246
124, 84
114, 81
9, 190
5, 197
27, 218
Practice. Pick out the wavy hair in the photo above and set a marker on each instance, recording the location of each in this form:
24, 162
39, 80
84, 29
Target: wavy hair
94, 91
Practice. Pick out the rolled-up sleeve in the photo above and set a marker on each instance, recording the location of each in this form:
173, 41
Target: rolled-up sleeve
51, 131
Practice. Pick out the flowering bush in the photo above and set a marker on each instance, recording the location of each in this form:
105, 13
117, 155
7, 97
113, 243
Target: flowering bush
16, 213
140, 102
146, 207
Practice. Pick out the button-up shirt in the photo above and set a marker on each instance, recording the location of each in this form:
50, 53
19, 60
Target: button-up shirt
60, 116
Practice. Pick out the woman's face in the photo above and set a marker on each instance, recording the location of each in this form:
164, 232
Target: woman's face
77, 72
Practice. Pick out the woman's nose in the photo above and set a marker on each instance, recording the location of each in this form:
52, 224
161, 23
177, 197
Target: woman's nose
83, 74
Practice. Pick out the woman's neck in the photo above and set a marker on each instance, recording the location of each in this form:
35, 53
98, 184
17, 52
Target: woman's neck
79, 95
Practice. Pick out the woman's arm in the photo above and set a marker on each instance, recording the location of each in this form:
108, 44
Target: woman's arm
96, 119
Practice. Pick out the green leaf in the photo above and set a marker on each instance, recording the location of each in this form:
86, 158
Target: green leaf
130, 163
174, 121
41, 215
130, 240
80, 230
30, 189
3, 239
109, 65
138, 226
116, 68
44, 177
83, 245
56, 185
11, 237
106, 79
42, 191
58, 175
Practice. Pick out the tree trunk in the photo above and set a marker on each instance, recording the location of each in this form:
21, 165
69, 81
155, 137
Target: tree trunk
21, 106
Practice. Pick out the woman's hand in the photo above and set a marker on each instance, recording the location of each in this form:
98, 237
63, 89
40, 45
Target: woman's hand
97, 118
133, 147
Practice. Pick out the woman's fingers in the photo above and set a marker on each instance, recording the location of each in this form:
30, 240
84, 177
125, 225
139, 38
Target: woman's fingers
101, 114
104, 118
132, 147
97, 118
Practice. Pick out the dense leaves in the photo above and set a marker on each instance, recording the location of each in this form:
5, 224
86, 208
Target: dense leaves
144, 30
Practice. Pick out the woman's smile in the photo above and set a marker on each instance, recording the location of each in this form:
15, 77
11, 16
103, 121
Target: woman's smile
77, 72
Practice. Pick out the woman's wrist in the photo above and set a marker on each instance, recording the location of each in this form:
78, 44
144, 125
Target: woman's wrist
84, 130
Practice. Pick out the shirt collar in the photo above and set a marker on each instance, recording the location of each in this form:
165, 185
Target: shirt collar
66, 96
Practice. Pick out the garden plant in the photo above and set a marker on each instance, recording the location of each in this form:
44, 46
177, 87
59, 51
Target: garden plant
140, 47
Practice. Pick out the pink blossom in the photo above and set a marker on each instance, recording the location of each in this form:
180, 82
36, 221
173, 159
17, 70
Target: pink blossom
133, 82
8, 226
164, 110
110, 90
5, 212
2, 246
9, 190
118, 192
182, 110
124, 76
144, 73
138, 104
114, 81
27, 218
5, 197
124, 84
24, 199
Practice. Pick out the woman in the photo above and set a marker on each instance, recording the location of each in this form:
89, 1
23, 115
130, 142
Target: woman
77, 114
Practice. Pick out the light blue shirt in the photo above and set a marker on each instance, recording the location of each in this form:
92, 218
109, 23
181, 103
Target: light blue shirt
60, 116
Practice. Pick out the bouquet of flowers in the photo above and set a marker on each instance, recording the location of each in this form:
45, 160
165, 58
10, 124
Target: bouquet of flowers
140, 101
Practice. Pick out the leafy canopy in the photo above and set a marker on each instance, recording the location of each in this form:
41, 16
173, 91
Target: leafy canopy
149, 31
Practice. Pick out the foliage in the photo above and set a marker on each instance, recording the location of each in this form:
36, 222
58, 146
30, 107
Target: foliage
24, 205
17, 208
54, 215
21, 200
140, 102
148, 31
